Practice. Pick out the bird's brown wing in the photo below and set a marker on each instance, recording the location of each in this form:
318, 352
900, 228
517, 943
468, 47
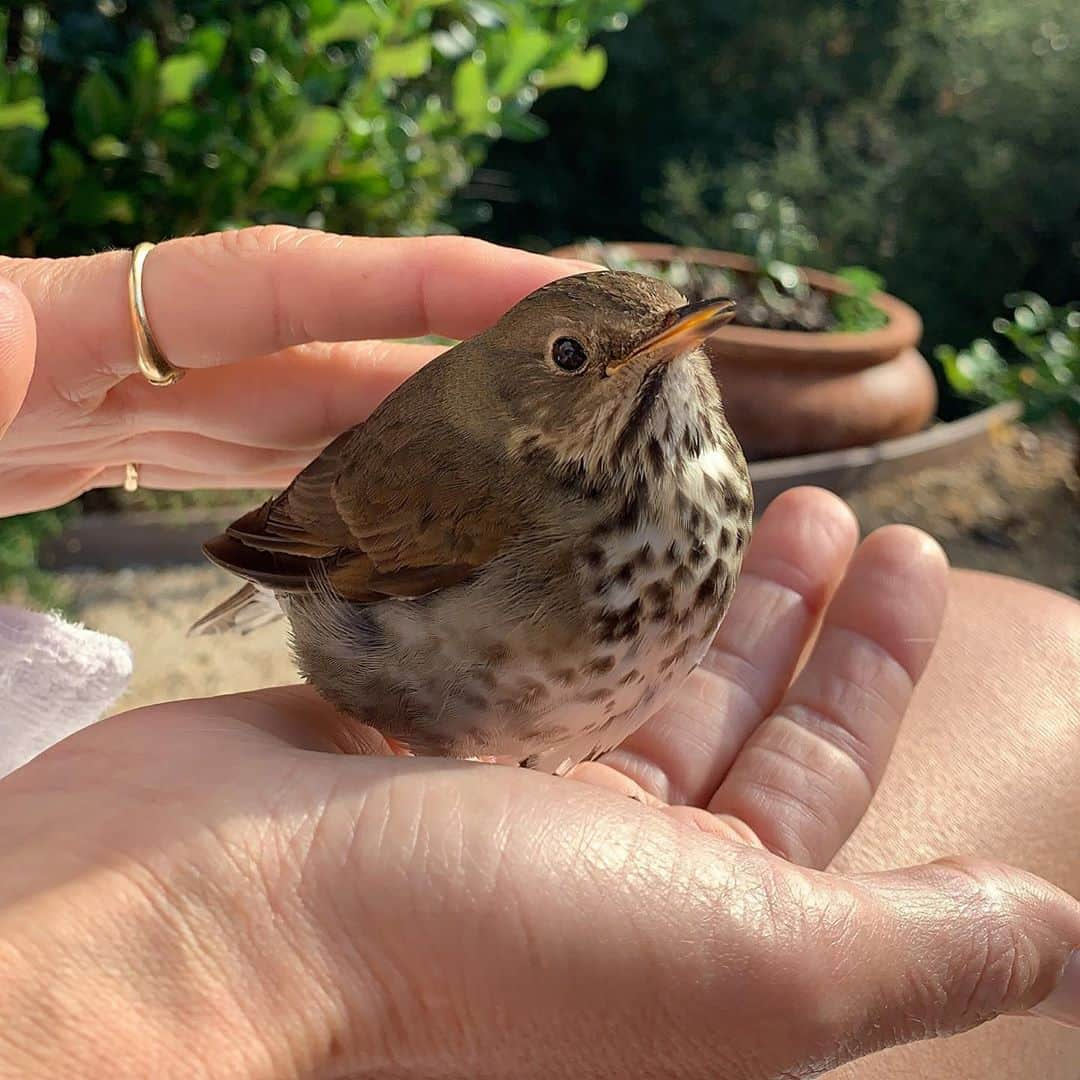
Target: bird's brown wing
389, 509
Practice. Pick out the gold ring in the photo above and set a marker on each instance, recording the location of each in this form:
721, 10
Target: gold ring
131, 477
152, 363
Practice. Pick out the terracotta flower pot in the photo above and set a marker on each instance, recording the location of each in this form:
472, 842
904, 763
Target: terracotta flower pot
791, 392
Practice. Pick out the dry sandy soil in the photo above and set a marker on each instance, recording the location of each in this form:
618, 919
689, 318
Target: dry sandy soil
1013, 510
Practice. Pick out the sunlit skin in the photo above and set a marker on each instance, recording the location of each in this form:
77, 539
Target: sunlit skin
211, 885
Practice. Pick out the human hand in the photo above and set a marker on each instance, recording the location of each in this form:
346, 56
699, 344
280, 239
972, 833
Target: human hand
277, 327
201, 888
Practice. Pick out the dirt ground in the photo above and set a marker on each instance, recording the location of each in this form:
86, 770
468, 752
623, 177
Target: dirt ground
1013, 510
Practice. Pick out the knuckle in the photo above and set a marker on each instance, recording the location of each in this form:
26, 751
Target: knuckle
258, 239
463, 247
999, 963
261, 240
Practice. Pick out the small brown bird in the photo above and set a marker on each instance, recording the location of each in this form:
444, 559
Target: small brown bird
528, 546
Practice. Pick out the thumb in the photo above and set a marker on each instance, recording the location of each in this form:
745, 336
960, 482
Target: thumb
950, 945
17, 343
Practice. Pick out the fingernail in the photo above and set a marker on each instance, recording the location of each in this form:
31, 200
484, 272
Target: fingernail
1063, 1002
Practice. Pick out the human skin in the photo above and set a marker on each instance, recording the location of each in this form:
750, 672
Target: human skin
208, 888
278, 329
995, 772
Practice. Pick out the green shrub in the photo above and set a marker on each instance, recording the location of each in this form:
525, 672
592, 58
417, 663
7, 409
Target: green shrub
932, 140
1038, 365
745, 218
20, 539
857, 311
122, 122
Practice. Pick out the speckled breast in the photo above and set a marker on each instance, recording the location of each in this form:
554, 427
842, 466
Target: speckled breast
540, 666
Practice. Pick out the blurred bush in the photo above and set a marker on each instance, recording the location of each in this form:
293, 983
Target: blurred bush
20, 538
932, 140
128, 121
1035, 362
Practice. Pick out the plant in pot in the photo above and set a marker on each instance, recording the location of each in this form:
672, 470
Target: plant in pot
814, 361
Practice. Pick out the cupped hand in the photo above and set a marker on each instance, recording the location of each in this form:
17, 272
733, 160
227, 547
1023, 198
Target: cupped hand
279, 329
207, 888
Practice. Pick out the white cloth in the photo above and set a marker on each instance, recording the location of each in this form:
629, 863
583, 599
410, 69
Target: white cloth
56, 677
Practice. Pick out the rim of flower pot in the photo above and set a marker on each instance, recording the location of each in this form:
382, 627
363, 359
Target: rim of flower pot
796, 349
847, 471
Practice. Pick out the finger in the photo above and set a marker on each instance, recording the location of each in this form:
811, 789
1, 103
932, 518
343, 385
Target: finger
175, 449
299, 716
855, 966
35, 488
957, 942
165, 478
23, 490
806, 776
797, 556
17, 344
295, 715
299, 398
227, 296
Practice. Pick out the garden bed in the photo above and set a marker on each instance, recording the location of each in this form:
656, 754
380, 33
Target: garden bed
1012, 508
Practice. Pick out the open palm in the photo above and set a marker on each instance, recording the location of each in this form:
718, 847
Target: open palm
203, 887
377, 915
754, 749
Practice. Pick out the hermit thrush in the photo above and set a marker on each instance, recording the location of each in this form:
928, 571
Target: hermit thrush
528, 546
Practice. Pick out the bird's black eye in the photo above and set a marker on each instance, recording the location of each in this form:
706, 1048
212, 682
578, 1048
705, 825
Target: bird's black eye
569, 354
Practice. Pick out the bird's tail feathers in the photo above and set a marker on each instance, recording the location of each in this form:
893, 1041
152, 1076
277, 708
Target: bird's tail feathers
247, 609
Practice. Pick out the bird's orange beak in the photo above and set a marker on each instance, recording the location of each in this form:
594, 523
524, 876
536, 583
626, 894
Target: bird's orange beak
682, 330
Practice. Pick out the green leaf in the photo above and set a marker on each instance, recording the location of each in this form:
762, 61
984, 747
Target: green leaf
485, 14
180, 120
142, 65
108, 148
946, 356
180, 77
119, 207
525, 48
471, 94
524, 128
98, 108
209, 42
353, 22
307, 147
24, 114
68, 166
407, 61
24, 83
863, 280
585, 69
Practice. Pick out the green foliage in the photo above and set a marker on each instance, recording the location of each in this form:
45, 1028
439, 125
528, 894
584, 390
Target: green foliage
933, 140
857, 311
139, 121
776, 296
694, 210
1039, 364
20, 539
